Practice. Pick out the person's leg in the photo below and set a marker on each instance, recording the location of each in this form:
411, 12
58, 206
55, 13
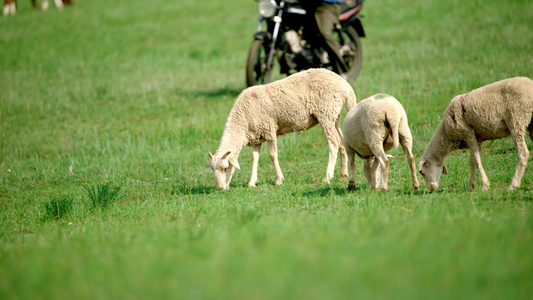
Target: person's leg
326, 16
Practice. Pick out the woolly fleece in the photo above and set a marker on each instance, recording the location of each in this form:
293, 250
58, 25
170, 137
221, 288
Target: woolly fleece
491, 112
293, 104
373, 127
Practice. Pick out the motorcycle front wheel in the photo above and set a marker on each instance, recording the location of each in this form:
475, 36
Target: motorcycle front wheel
352, 52
257, 71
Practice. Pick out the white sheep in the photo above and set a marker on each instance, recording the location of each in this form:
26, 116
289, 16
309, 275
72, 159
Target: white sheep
293, 104
373, 127
491, 112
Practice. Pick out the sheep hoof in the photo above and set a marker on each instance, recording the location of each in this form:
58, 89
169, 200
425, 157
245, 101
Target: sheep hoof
485, 187
513, 187
343, 176
251, 184
351, 186
416, 187
279, 181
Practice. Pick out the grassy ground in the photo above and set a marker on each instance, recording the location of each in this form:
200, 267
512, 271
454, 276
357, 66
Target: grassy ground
135, 94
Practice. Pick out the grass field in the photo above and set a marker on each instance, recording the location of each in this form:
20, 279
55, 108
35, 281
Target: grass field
133, 94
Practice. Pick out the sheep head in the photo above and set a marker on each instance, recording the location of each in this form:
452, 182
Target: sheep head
223, 168
431, 172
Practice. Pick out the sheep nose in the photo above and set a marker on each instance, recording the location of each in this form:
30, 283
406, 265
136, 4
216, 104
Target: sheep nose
433, 186
223, 187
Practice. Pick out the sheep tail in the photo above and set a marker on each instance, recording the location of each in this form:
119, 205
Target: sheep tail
394, 124
351, 100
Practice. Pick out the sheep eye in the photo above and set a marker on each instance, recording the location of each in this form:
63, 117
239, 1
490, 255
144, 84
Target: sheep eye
421, 173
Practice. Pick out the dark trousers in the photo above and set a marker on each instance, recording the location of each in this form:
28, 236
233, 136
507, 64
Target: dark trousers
327, 16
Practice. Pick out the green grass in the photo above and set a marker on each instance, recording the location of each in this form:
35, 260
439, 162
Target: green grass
101, 195
58, 206
138, 92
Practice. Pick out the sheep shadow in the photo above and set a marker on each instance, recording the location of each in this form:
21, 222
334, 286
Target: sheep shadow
209, 94
324, 191
188, 190
419, 192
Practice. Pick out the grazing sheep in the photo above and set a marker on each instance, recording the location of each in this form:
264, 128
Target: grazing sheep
293, 104
374, 126
491, 112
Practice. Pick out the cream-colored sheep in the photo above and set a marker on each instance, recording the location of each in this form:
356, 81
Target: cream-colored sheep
374, 126
293, 104
491, 112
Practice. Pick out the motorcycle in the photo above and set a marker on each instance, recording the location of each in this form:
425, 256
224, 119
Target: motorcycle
292, 38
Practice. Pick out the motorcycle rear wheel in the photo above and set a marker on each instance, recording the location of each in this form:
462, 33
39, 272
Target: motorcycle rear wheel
354, 55
257, 71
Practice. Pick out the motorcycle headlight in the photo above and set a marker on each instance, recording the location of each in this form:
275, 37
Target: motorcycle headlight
266, 8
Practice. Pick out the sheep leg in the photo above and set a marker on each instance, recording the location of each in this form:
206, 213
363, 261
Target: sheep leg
370, 172
475, 160
332, 139
255, 163
59, 4
376, 146
473, 181
333, 149
384, 169
273, 148
351, 158
375, 174
412, 166
10, 7
523, 156
342, 150
407, 144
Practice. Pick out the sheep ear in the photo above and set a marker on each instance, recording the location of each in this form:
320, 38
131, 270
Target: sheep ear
444, 171
234, 163
421, 164
226, 155
210, 159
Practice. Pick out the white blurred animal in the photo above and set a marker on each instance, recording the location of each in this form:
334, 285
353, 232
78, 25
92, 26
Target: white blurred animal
10, 6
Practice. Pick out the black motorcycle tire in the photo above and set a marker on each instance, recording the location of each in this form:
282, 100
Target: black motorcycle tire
355, 66
257, 71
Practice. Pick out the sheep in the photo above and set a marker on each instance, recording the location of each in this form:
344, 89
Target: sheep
293, 104
373, 127
491, 112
